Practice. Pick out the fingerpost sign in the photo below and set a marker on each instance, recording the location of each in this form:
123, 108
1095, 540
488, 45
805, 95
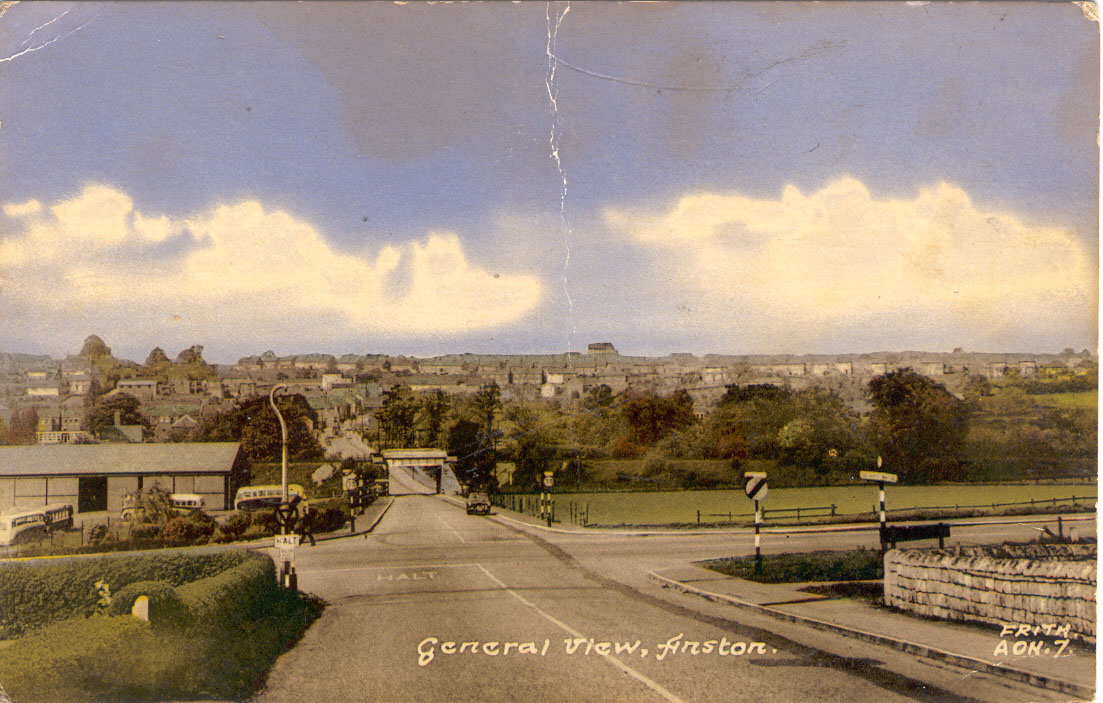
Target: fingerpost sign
881, 478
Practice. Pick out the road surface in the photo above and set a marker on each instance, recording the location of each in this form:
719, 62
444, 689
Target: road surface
528, 615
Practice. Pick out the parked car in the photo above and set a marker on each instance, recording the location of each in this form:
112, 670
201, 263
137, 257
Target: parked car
478, 504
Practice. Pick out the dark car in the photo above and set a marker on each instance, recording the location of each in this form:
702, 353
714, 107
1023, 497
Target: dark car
478, 504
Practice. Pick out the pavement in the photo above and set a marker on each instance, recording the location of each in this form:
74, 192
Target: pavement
968, 645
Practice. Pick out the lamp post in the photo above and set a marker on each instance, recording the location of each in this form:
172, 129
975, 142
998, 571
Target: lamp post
283, 438
287, 576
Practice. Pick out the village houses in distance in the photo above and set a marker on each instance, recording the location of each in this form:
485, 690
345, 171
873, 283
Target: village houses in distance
56, 397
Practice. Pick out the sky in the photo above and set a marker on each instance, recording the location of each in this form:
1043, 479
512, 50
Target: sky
421, 179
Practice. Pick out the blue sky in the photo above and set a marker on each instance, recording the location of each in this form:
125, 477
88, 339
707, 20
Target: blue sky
740, 177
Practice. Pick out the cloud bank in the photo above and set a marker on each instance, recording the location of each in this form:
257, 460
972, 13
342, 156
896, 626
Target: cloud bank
809, 271
96, 263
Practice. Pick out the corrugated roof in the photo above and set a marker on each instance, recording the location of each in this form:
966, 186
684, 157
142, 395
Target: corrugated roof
102, 459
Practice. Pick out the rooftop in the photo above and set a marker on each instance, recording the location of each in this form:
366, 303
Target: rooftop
118, 459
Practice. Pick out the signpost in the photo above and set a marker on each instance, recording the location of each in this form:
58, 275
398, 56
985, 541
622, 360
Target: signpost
881, 478
545, 497
756, 490
285, 548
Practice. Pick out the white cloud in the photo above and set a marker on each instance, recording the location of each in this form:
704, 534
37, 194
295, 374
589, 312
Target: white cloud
932, 271
19, 209
240, 270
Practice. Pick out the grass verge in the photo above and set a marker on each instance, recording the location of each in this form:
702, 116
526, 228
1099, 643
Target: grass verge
852, 565
919, 514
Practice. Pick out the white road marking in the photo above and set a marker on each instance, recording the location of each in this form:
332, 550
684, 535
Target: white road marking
657, 688
378, 568
453, 530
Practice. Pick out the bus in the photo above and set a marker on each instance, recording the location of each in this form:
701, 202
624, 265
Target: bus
186, 502
261, 497
22, 526
59, 516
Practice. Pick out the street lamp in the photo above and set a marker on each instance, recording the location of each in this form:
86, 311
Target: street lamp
287, 572
283, 437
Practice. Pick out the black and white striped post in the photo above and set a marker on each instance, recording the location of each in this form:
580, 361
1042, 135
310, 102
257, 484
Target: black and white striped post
548, 482
881, 478
756, 490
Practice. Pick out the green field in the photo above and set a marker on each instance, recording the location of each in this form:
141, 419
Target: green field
656, 508
1082, 400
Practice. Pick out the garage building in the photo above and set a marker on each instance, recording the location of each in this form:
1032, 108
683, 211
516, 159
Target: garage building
95, 477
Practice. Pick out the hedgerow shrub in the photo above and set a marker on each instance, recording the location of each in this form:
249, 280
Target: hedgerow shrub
330, 519
33, 594
166, 607
237, 523
179, 531
240, 622
145, 533
233, 592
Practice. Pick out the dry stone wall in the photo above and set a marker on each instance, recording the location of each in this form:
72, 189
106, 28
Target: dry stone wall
1031, 585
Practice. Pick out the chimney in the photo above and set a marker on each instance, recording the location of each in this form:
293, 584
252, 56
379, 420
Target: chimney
118, 418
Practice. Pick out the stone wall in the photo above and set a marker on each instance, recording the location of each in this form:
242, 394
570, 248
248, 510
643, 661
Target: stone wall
1027, 584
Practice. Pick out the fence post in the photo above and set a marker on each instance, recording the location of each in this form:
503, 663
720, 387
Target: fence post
698, 517
832, 510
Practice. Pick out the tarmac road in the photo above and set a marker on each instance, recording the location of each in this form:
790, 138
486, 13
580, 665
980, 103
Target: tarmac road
430, 575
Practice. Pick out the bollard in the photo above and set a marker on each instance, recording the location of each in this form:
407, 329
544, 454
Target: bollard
352, 524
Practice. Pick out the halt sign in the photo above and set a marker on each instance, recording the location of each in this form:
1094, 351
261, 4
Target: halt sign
756, 487
285, 545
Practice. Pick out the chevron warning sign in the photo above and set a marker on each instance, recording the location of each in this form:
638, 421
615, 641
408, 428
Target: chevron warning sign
756, 484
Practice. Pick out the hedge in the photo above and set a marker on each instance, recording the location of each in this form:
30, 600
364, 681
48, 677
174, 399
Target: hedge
166, 607
36, 593
240, 621
98, 658
233, 594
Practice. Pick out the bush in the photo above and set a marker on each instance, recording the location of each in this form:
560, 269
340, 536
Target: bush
179, 531
265, 522
235, 526
35, 593
99, 534
166, 607
330, 519
145, 533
